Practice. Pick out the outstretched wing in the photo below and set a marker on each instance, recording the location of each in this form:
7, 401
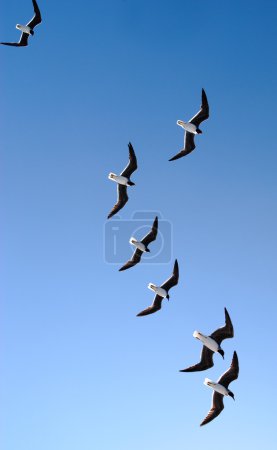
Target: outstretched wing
152, 235
189, 146
132, 165
206, 361
133, 261
225, 332
216, 408
156, 306
203, 114
231, 374
173, 280
23, 42
36, 20
122, 199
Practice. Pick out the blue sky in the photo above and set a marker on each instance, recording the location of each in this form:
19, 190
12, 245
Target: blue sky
79, 370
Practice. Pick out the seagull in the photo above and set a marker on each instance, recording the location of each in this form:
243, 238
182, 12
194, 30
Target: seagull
27, 29
141, 246
221, 389
123, 180
161, 292
212, 344
192, 127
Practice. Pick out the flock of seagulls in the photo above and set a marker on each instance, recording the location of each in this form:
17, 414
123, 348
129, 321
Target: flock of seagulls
211, 343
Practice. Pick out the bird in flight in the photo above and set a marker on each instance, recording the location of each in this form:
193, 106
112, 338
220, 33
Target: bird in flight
211, 345
161, 292
123, 180
221, 390
27, 29
192, 128
141, 246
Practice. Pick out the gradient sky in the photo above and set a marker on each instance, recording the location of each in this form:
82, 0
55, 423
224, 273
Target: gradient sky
79, 370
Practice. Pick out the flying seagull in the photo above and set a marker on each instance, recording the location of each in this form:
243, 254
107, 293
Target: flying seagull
221, 389
123, 180
141, 246
27, 29
212, 344
161, 292
192, 128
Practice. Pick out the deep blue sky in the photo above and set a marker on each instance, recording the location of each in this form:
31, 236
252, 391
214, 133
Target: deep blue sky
79, 371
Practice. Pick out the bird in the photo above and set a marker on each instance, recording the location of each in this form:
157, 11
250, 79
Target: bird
27, 29
221, 390
123, 180
211, 345
161, 292
192, 128
141, 246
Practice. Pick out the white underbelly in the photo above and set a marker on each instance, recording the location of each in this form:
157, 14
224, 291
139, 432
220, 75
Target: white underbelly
190, 127
138, 245
119, 179
24, 28
207, 341
216, 387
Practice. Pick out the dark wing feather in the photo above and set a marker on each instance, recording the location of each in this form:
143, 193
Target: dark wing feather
133, 261
132, 165
225, 332
122, 199
152, 235
205, 363
203, 114
231, 374
36, 20
156, 306
216, 408
173, 280
23, 41
189, 146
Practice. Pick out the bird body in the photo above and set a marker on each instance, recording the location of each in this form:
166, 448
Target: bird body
141, 246
192, 128
24, 29
216, 387
138, 245
28, 29
123, 181
187, 126
158, 290
161, 292
221, 389
119, 179
207, 341
211, 345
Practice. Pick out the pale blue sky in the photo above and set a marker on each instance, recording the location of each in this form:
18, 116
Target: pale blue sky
79, 370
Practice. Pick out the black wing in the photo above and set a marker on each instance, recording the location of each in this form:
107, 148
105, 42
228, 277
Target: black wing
133, 261
231, 374
152, 235
36, 20
122, 199
156, 306
216, 408
189, 146
225, 332
205, 363
203, 114
173, 280
23, 42
132, 165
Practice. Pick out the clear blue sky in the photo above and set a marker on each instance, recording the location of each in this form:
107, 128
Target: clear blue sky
79, 370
